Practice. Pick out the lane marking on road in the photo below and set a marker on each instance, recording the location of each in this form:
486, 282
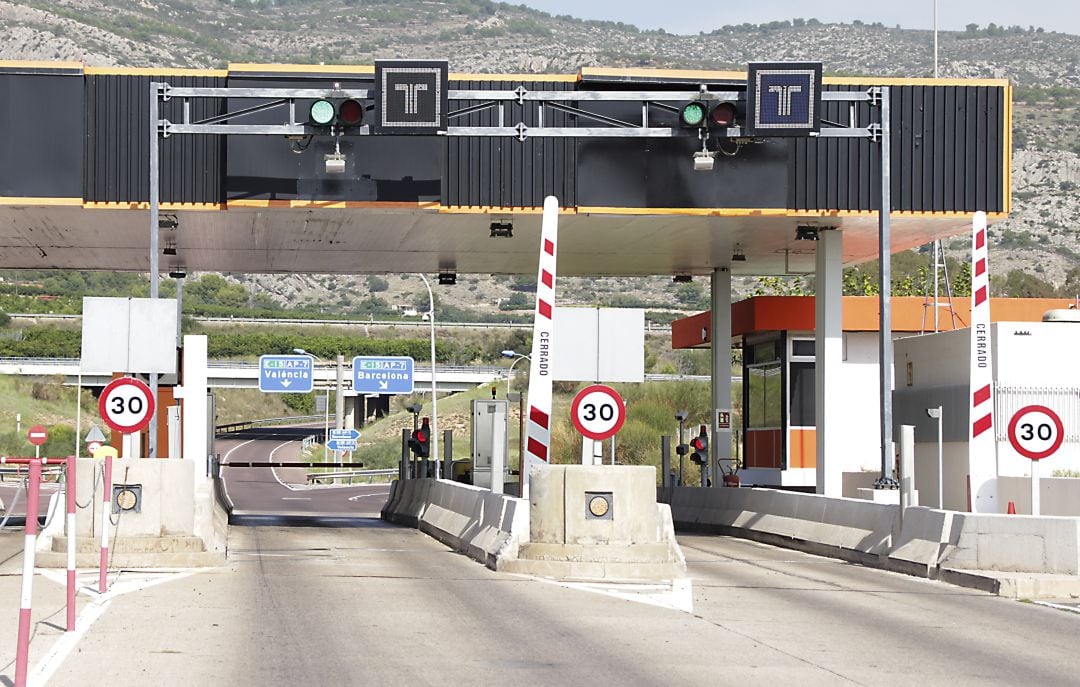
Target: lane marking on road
1060, 607
274, 470
677, 596
224, 463
124, 583
364, 496
295, 498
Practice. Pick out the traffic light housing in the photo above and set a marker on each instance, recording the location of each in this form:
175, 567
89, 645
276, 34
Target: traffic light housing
420, 440
700, 444
712, 115
343, 112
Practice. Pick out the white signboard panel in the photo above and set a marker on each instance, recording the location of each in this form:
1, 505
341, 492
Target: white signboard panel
599, 345
135, 335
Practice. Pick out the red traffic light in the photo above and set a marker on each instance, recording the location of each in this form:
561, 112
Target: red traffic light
723, 115
350, 112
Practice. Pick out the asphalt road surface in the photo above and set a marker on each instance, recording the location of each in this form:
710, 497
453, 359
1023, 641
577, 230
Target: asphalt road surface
382, 605
281, 495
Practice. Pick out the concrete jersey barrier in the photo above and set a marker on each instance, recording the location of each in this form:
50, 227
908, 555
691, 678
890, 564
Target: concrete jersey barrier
485, 526
921, 541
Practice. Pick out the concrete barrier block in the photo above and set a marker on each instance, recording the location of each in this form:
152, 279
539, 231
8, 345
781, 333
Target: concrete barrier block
922, 539
546, 517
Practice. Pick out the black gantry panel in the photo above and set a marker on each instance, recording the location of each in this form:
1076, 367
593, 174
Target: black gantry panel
118, 139
947, 154
378, 168
487, 171
41, 133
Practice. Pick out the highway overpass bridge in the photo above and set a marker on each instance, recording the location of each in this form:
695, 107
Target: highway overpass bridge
237, 374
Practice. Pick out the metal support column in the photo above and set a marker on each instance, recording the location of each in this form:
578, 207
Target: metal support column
885, 343
155, 199
720, 327
829, 355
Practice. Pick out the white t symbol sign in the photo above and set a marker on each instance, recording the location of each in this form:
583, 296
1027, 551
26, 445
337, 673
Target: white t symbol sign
784, 93
412, 95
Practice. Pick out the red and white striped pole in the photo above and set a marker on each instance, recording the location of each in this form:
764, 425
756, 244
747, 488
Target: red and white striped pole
69, 490
106, 501
538, 428
22, 651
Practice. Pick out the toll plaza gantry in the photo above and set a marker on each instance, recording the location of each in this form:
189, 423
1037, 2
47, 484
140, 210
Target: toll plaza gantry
408, 167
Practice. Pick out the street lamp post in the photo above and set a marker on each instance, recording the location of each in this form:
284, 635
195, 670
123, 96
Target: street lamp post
520, 398
935, 413
434, 393
510, 373
326, 419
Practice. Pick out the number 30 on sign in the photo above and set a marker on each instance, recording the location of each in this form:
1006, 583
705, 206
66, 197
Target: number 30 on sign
598, 412
126, 405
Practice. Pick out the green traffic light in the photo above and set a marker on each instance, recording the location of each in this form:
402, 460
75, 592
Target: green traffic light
322, 112
693, 114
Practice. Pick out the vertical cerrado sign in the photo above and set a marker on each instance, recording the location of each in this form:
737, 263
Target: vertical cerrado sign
410, 97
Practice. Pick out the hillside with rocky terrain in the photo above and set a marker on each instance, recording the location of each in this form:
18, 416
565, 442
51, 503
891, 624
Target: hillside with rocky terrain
1041, 236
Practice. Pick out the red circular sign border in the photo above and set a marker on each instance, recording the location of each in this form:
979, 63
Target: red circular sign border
1036, 455
30, 431
611, 393
141, 386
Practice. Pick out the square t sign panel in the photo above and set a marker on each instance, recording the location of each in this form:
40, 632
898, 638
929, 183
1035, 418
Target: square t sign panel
783, 99
410, 96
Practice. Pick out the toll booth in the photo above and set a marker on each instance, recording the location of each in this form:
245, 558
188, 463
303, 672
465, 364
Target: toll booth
1036, 413
776, 333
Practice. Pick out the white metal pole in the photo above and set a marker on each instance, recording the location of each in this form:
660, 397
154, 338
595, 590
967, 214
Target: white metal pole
1035, 505
940, 466
434, 393
935, 41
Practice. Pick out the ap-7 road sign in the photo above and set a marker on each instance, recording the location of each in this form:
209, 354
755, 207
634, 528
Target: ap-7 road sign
383, 375
286, 374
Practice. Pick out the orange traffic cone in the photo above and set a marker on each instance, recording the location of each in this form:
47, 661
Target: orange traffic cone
1012, 508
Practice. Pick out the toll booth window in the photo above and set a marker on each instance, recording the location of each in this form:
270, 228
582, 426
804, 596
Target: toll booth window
802, 409
803, 347
764, 352
764, 397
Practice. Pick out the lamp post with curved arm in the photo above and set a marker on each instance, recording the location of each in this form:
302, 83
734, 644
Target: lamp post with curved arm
510, 373
434, 395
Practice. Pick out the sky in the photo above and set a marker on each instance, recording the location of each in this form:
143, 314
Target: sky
683, 16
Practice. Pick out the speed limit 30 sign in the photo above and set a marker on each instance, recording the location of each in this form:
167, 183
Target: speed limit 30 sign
1036, 432
598, 412
126, 405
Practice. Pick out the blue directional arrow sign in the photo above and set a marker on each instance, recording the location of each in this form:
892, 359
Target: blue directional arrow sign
341, 444
344, 434
293, 374
383, 375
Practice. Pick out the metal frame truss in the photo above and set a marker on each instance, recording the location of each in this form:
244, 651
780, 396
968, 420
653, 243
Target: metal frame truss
567, 102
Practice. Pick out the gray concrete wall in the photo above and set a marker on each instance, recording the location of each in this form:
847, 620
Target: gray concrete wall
167, 497
559, 505
1057, 495
923, 540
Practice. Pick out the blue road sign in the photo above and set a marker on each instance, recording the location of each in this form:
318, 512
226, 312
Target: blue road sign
383, 375
341, 445
344, 434
292, 374
783, 99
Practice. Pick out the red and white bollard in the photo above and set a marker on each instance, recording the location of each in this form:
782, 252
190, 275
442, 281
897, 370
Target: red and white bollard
106, 500
22, 651
69, 493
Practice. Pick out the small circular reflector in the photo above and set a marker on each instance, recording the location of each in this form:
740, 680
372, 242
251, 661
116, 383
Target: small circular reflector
723, 115
693, 114
350, 112
322, 112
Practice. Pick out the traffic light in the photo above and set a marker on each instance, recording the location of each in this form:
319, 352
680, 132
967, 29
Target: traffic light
420, 441
701, 114
342, 112
700, 444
